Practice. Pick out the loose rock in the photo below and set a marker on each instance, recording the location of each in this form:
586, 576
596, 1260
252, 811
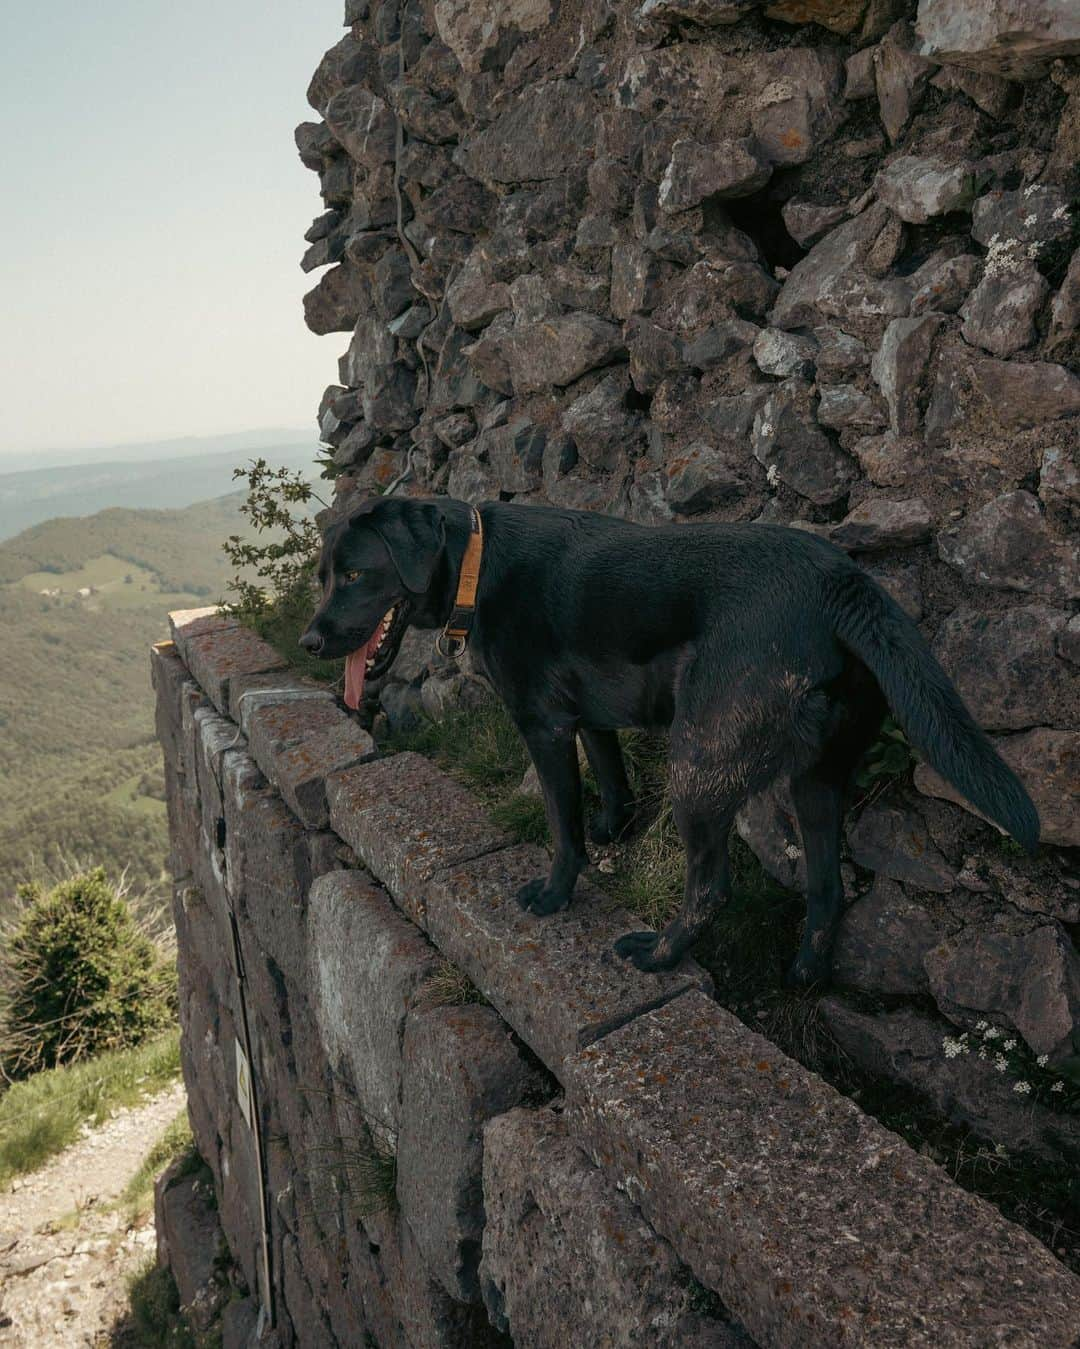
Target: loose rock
919, 188
879, 523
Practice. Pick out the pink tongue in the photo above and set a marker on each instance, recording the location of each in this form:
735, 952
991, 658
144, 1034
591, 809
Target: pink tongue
355, 670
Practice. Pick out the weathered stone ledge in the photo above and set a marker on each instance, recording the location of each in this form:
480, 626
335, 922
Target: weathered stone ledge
813, 1223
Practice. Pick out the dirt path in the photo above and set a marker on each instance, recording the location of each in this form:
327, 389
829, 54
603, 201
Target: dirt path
64, 1257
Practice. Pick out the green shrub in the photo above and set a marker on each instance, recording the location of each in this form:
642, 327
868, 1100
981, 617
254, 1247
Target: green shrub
78, 976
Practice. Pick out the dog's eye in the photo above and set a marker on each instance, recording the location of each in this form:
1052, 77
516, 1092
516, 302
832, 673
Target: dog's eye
348, 577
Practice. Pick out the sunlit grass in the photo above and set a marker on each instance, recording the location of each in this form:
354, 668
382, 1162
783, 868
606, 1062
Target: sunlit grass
44, 1114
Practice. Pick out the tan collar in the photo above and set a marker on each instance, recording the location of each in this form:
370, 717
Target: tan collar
454, 638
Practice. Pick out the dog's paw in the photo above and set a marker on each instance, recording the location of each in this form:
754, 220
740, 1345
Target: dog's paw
603, 830
536, 897
647, 951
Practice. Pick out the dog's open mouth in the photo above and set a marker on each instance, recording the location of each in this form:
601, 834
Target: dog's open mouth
372, 660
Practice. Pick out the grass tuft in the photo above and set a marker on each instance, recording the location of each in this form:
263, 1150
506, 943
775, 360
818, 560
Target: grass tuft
153, 1319
44, 1114
522, 817
369, 1170
481, 747
450, 987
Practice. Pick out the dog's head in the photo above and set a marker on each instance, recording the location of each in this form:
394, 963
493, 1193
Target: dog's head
375, 568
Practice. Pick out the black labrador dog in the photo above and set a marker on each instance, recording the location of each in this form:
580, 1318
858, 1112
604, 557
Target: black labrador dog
764, 649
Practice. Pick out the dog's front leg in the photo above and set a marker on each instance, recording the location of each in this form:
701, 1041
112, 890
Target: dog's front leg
618, 817
554, 752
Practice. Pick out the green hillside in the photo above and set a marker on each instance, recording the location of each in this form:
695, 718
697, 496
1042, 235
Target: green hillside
80, 767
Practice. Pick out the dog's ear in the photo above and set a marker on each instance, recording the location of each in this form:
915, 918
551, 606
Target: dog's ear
415, 538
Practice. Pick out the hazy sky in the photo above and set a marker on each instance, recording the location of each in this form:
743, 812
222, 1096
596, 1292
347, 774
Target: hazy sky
152, 209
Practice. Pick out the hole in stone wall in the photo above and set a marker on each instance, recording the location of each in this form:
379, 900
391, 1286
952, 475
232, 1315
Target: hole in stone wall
949, 232
637, 402
759, 216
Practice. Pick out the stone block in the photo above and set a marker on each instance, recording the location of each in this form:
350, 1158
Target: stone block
804, 1214
299, 740
238, 1322
406, 820
1005, 667
187, 624
1021, 970
563, 1249
202, 930
461, 1068
216, 650
301, 1306
879, 524
556, 980
367, 965
249, 691
1017, 38
172, 686
894, 842
213, 736
267, 865
182, 808
190, 1243
882, 941
402, 1304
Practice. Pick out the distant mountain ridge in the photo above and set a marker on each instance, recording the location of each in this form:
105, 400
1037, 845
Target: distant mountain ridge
30, 496
175, 447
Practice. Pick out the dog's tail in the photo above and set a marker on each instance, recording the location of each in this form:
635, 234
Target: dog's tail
874, 627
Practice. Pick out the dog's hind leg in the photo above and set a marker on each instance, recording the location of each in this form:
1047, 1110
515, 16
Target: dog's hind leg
616, 796
554, 754
819, 806
819, 794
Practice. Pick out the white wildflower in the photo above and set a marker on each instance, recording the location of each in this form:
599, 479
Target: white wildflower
981, 1025
953, 1047
1030, 220
1000, 1063
1043, 1060
1060, 212
991, 1033
982, 1051
1022, 1087
772, 473
1009, 1044
1058, 1086
1004, 255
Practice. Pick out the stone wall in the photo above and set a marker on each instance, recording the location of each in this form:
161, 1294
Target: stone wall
570, 1152
809, 262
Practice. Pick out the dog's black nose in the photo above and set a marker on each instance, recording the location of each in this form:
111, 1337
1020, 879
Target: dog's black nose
312, 641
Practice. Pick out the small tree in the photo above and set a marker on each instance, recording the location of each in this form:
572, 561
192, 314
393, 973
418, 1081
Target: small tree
279, 601
78, 976
283, 565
